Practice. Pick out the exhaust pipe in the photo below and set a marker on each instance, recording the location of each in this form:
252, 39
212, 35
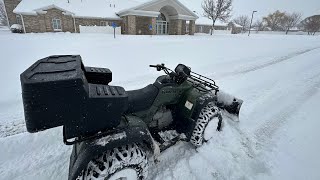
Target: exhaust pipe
229, 103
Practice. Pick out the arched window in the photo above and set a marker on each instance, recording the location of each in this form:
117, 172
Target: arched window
161, 17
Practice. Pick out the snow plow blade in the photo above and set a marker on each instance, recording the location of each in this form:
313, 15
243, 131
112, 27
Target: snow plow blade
229, 103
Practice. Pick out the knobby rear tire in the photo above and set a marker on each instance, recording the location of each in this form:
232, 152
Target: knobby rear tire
112, 161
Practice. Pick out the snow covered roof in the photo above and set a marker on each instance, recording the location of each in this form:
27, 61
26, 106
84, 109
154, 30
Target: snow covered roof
237, 25
78, 8
83, 8
207, 21
177, 10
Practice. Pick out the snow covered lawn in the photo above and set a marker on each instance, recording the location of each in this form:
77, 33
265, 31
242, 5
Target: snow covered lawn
278, 77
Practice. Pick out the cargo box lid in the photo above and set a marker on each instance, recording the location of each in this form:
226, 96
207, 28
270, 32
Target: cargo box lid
54, 68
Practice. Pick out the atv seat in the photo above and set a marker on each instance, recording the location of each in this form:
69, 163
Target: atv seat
142, 99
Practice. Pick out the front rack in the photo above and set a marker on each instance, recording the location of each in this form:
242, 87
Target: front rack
203, 83
200, 82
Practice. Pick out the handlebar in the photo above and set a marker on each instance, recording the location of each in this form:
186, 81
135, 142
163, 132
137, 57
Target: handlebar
159, 67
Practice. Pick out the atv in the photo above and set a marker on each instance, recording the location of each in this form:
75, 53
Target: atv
116, 133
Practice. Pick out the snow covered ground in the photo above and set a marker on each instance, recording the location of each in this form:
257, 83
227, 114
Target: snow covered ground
278, 77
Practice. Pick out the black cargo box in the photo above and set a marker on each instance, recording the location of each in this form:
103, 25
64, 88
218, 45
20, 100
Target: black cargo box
58, 91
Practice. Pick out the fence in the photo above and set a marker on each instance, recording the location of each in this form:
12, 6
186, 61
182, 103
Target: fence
99, 29
282, 32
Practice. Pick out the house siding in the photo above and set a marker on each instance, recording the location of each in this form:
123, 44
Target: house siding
142, 25
43, 22
207, 28
31, 24
66, 21
10, 5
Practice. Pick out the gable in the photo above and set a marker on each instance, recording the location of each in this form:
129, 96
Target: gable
158, 5
44, 10
173, 8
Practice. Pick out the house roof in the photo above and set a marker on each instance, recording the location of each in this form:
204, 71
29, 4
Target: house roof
78, 8
154, 6
89, 8
207, 21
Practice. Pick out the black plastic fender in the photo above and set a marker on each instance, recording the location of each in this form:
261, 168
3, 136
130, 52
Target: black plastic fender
135, 131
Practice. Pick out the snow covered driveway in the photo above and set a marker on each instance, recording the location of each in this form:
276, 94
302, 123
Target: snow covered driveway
278, 77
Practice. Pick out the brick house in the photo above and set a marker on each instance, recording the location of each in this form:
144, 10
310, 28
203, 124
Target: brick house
134, 17
204, 25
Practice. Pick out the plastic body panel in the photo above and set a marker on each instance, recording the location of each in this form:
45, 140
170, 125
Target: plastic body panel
169, 94
56, 92
189, 108
96, 75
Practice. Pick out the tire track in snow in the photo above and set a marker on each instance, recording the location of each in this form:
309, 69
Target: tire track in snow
12, 128
268, 129
270, 63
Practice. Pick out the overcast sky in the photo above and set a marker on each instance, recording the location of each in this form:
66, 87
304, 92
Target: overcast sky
264, 7
306, 7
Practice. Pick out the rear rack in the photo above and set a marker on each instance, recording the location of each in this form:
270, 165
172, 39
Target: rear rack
202, 83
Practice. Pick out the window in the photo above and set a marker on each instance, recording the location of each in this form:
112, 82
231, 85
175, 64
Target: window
56, 24
161, 17
103, 23
18, 18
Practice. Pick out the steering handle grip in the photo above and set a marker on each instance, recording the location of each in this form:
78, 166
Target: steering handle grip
158, 66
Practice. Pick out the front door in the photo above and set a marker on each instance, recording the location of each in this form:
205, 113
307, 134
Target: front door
162, 25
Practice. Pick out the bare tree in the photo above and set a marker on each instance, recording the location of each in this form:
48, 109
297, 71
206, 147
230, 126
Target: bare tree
3, 14
275, 21
243, 21
291, 20
311, 24
259, 25
217, 10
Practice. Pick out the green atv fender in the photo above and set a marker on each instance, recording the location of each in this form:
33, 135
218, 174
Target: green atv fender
189, 108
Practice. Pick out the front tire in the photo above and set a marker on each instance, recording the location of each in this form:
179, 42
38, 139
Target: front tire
126, 162
210, 114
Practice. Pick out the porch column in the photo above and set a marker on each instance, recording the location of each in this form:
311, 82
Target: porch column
192, 27
153, 22
175, 27
130, 25
183, 27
